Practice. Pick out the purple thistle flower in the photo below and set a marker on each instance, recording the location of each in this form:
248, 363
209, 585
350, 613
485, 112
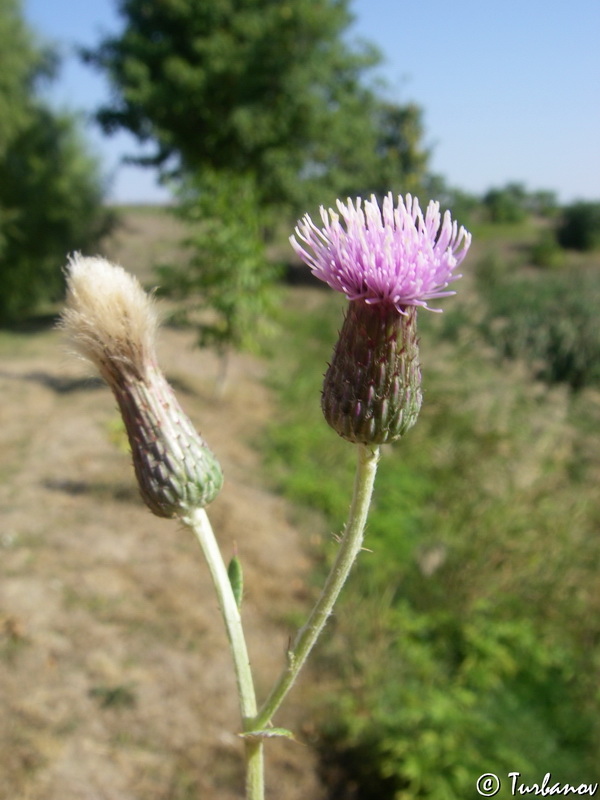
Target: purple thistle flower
387, 262
393, 256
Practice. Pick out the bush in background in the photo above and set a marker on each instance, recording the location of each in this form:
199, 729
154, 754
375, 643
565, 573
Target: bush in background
506, 205
579, 227
550, 321
464, 206
547, 252
543, 202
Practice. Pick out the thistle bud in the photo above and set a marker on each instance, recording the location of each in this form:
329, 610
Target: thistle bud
112, 323
372, 388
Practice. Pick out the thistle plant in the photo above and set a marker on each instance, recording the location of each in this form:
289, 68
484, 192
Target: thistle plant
388, 261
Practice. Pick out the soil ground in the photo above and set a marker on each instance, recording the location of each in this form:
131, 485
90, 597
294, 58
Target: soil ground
115, 675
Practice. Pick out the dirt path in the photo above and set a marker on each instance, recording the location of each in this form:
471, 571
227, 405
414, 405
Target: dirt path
115, 679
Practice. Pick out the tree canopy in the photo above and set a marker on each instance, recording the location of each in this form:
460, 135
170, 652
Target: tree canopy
50, 187
264, 87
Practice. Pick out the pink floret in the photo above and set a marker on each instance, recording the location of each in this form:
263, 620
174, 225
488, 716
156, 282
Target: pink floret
390, 255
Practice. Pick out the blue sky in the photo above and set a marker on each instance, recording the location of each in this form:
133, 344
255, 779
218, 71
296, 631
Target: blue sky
510, 90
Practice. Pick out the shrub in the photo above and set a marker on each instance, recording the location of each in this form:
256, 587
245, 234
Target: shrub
546, 252
550, 321
506, 205
544, 203
579, 227
452, 694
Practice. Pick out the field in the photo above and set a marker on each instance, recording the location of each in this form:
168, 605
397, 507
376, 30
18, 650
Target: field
467, 639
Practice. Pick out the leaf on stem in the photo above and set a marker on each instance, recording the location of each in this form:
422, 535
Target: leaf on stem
236, 578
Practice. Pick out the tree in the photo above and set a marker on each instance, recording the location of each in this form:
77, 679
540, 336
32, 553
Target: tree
50, 187
400, 146
579, 226
258, 107
506, 205
225, 285
261, 87
462, 204
23, 65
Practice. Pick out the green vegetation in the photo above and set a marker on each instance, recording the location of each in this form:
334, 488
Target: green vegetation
50, 188
226, 284
464, 642
579, 227
549, 319
546, 252
266, 89
120, 696
467, 637
507, 204
257, 111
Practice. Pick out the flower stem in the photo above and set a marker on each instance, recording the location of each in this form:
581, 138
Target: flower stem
350, 545
198, 521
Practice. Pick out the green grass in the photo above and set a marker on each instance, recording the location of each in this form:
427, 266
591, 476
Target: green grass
478, 600
548, 319
119, 696
25, 343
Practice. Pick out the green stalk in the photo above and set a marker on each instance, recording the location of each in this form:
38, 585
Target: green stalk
350, 546
198, 521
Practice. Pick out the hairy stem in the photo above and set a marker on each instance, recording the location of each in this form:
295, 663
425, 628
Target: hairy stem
350, 545
198, 521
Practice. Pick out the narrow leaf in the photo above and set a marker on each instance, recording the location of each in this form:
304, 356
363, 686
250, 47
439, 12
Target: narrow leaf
236, 578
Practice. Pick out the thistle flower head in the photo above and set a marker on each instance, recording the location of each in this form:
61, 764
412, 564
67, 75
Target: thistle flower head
112, 323
395, 255
387, 261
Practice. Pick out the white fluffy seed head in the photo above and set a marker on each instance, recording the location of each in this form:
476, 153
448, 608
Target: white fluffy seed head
111, 321
109, 318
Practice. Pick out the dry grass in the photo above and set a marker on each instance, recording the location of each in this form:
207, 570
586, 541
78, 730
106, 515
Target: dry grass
115, 681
